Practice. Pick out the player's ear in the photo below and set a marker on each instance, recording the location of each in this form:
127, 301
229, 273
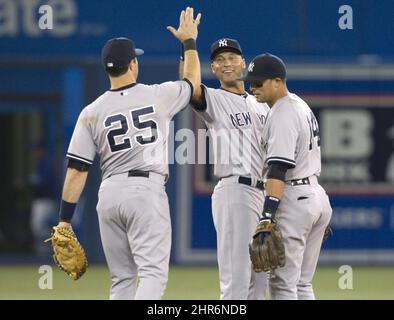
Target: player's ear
277, 83
133, 63
212, 68
243, 63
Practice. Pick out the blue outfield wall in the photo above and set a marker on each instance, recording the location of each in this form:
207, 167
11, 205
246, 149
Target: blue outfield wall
302, 28
362, 223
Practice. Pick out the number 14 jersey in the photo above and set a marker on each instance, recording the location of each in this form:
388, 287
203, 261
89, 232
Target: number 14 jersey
291, 136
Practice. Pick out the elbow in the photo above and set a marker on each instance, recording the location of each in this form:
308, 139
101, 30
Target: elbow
197, 91
195, 80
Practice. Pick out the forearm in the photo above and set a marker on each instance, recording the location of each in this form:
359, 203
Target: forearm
73, 185
181, 66
192, 72
273, 194
197, 98
274, 188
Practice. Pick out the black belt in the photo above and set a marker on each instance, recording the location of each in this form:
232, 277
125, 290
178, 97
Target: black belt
138, 173
299, 182
248, 182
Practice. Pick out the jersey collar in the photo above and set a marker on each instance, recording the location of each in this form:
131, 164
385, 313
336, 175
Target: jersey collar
243, 95
124, 87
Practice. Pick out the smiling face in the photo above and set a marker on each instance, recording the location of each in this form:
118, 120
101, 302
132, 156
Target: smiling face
228, 67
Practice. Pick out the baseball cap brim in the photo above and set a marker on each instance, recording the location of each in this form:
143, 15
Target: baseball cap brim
139, 52
249, 77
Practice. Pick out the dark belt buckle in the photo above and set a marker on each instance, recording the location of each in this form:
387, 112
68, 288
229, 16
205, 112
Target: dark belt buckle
260, 185
138, 173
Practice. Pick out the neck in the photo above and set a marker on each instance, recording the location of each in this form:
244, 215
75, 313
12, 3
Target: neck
235, 87
280, 95
123, 80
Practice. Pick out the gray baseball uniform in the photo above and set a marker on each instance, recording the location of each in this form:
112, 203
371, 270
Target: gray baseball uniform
128, 129
235, 123
291, 136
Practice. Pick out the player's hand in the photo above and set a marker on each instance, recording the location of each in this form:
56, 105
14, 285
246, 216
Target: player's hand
63, 224
261, 233
187, 25
267, 250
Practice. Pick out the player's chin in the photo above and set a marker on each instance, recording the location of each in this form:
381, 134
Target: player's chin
259, 98
230, 77
230, 82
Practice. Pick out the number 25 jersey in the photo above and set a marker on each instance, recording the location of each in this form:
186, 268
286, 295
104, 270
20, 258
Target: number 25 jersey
128, 127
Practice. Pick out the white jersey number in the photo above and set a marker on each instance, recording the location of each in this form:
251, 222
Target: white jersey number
314, 129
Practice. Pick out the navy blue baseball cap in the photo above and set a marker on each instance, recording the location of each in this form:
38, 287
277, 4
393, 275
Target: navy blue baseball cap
265, 66
118, 52
225, 44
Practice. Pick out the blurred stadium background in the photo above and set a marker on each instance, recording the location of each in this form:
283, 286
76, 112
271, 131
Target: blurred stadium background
47, 76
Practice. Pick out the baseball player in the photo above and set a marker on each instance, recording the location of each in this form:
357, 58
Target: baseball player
232, 115
294, 197
128, 127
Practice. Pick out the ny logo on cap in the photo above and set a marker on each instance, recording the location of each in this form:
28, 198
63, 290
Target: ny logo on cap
223, 43
251, 66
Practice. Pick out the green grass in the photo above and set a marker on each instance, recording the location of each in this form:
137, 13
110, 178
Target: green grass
369, 283
187, 283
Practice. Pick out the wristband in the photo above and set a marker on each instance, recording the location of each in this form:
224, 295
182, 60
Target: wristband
271, 204
66, 211
189, 44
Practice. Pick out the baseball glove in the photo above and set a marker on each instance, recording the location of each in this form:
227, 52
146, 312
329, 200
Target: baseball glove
267, 250
327, 233
69, 255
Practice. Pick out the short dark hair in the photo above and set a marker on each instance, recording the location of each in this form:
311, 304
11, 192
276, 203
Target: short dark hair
116, 71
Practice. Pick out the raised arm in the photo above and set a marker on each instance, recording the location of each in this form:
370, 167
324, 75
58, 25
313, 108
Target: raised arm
187, 33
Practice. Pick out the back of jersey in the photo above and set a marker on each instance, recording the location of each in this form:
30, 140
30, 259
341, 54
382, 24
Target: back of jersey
128, 127
291, 136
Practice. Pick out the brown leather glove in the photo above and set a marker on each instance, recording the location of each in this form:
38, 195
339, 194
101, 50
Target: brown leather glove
327, 233
69, 255
267, 250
